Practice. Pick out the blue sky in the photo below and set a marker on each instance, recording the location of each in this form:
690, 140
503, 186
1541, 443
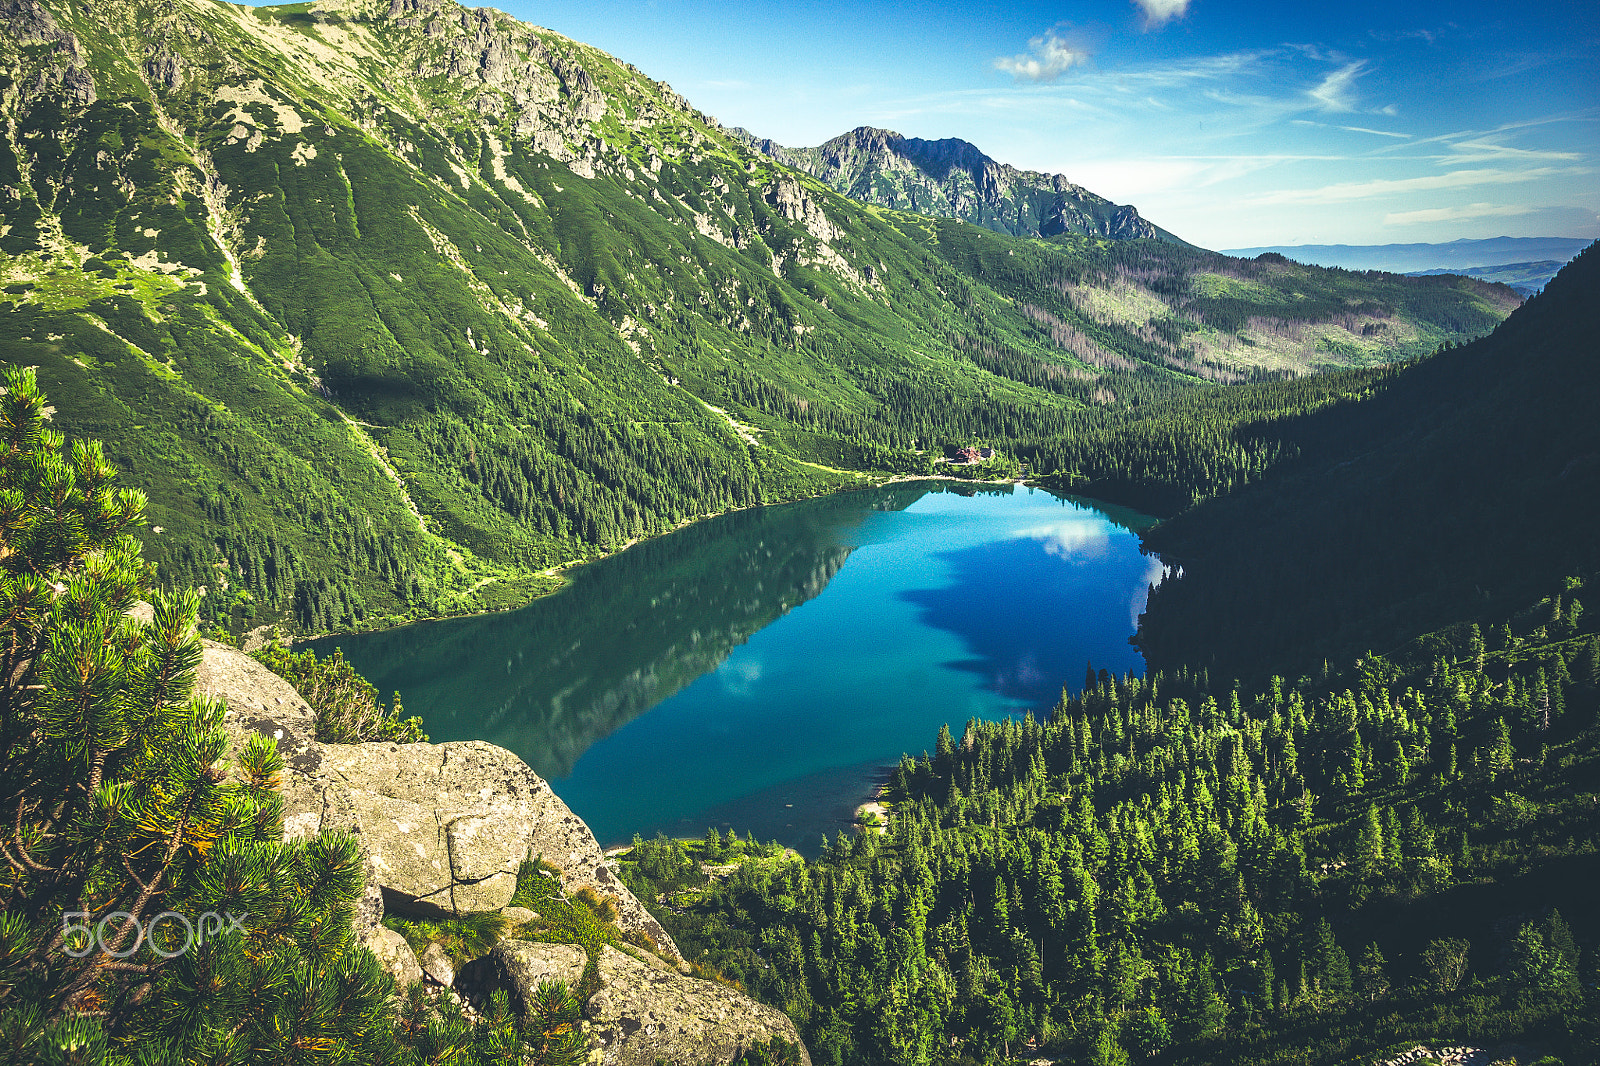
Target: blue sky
1230, 123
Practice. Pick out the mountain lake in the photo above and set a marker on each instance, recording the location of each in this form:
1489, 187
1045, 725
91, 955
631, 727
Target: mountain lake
764, 670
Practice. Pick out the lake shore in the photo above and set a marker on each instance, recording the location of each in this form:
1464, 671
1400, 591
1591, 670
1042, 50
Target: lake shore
259, 636
818, 806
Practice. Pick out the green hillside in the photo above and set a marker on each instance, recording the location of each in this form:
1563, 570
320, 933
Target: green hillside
391, 308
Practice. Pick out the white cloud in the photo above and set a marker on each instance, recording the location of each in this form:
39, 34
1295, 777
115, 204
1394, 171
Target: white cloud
1048, 57
1160, 12
1349, 129
1336, 93
1484, 151
1454, 214
1377, 133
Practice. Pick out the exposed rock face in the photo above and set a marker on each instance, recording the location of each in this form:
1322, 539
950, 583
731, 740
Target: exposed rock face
444, 827
953, 179
792, 203
643, 1014
64, 70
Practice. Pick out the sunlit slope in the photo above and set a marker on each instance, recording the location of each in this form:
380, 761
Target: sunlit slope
390, 307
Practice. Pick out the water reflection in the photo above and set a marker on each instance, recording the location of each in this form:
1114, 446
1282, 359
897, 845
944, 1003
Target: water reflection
624, 635
1032, 628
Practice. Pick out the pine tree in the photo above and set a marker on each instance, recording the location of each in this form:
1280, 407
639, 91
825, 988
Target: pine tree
122, 807
1372, 980
1369, 842
152, 911
1331, 964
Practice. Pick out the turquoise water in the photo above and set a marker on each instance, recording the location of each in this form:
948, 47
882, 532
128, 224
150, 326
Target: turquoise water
762, 670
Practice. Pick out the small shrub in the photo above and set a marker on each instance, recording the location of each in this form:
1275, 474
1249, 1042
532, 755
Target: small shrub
345, 703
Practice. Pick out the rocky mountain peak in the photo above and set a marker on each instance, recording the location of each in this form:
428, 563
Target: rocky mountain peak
953, 178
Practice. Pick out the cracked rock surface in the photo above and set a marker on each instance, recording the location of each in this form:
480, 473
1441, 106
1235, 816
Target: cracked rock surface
643, 1014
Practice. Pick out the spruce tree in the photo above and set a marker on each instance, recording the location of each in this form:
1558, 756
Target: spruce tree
1372, 979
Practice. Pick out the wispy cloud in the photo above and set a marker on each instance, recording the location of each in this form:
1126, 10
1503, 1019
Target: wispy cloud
1487, 151
1454, 214
1349, 129
1344, 192
1048, 57
1158, 13
1337, 91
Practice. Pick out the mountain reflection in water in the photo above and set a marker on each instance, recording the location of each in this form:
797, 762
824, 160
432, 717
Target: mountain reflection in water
625, 634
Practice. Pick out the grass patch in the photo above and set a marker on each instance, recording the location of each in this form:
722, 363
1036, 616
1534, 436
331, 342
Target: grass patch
463, 937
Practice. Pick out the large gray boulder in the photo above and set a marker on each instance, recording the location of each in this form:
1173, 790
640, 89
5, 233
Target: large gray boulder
443, 827
259, 701
643, 1013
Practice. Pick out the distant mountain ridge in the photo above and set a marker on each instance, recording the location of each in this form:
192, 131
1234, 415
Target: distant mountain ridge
1526, 278
952, 178
1458, 256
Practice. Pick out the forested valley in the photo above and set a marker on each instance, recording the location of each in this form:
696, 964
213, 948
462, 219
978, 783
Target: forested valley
389, 330
1227, 861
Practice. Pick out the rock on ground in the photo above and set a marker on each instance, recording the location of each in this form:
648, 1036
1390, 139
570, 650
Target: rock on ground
519, 967
436, 964
643, 1013
394, 954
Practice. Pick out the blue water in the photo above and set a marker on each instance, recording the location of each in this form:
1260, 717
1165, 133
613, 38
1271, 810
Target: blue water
762, 670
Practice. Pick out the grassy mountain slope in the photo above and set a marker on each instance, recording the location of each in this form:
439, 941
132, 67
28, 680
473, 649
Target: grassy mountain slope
391, 307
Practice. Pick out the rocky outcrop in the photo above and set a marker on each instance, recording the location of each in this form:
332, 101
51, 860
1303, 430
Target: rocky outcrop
444, 827
790, 200
643, 1013
61, 66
